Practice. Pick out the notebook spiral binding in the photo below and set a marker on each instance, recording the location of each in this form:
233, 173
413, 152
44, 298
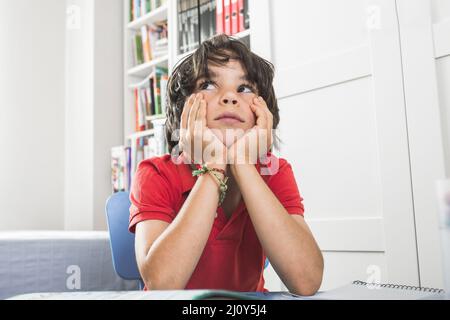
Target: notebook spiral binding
399, 286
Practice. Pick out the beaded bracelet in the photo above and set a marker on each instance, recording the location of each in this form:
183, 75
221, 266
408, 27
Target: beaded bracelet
222, 182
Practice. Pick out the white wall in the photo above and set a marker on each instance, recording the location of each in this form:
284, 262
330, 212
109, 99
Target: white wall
60, 112
31, 114
93, 109
108, 98
79, 116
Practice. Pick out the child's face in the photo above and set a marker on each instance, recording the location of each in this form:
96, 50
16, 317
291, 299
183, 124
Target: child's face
227, 91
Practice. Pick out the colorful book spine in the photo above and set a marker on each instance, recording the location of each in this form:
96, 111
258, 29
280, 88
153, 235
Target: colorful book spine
119, 169
139, 49
227, 16
128, 168
139, 110
241, 10
136, 9
145, 35
234, 17
131, 17
143, 7
164, 81
220, 28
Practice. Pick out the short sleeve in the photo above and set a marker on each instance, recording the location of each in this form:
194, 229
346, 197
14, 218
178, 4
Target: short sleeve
151, 196
285, 188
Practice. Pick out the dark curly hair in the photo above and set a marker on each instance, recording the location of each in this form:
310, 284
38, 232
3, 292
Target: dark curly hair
217, 50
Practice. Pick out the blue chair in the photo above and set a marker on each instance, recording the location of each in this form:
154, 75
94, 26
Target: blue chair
121, 240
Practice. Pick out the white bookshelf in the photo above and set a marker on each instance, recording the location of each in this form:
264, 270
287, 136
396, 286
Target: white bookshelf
144, 70
138, 76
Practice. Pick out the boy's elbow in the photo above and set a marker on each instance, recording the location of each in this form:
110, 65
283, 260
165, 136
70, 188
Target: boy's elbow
152, 280
306, 288
154, 283
156, 280
308, 285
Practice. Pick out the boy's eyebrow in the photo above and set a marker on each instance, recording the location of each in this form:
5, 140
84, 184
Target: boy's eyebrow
214, 75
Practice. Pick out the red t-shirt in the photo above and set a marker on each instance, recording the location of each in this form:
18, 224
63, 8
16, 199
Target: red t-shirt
233, 258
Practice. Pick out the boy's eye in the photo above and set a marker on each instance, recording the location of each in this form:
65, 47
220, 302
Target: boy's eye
248, 87
204, 85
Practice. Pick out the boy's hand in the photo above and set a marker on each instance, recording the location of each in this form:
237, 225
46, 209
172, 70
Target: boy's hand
197, 141
257, 141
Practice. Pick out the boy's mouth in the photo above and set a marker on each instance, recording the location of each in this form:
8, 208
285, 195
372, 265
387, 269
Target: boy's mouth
230, 118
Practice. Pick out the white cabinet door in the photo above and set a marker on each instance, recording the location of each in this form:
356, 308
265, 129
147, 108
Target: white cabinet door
344, 130
425, 43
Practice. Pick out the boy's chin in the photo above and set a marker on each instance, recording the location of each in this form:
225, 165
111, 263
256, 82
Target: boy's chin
228, 136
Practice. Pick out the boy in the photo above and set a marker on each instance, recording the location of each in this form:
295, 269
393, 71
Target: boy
208, 220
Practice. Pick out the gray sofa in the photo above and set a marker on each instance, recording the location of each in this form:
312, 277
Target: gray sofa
57, 261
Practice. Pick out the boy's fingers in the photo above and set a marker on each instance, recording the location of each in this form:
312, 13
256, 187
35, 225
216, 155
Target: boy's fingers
269, 116
260, 101
185, 113
261, 116
201, 115
184, 120
193, 112
199, 123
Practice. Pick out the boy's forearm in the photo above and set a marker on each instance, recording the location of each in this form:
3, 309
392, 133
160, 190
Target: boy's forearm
174, 255
289, 245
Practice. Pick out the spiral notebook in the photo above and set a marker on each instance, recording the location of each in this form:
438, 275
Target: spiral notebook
360, 290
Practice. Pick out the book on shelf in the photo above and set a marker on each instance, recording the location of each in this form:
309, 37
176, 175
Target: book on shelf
244, 17
201, 20
139, 110
119, 168
131, 11
135, 9
163, 84
220, 18
157, 78
125, 159
234, 17
145, 7
149, 99
207, 23
188, 25
138, 52
145, 36
182, 32
160, 43
227, 16
150, 42
139, 8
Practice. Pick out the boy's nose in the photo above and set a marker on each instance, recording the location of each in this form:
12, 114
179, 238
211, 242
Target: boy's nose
227, 100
